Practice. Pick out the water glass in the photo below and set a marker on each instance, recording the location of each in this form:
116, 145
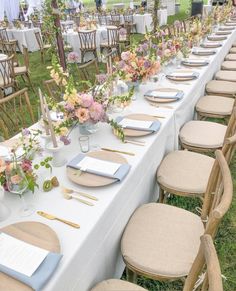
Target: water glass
84, 143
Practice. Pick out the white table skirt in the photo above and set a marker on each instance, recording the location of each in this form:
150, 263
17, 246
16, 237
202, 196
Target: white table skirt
25, 37
72, 38
92, 253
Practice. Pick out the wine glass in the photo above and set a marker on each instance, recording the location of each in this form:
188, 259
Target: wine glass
17, 183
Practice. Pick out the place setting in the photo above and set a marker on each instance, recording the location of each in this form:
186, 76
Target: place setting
182, 75
163, 95
191, 62
211, 44
215, 37
203, 51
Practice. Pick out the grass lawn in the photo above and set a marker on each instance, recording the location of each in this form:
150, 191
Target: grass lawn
226, 238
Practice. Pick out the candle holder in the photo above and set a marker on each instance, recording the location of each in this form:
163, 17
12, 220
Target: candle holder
57, 153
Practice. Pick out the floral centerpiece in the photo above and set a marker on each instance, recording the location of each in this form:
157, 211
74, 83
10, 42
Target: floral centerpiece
134, 67
28, 142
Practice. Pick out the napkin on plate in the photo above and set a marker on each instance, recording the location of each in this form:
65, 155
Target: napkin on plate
40, 276
203, 51
151, 126
183, 75
164, 95
99, 167
195, 61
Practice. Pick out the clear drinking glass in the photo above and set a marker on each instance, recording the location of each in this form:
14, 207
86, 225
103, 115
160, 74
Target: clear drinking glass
17, 183
84, 143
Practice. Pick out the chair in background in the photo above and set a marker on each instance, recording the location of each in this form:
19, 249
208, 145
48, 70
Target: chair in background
212, 279
87, 43
53, 90
88, 72
4, 37
125, 39
23, 71
103, 19
16, 113
129, 21
115, 19
112, 40
9, 48
76, 20
42, 47
162, 241
7, 76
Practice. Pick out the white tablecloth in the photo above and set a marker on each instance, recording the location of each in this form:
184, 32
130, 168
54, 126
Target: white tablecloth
92, 253
25, 37
144, 21
72, 38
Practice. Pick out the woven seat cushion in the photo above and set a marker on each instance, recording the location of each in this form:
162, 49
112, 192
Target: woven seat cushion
230, 57
20, 70
203, 134
162, 240
226, 75
229, 65
233, 50
234, 44
221, 87
116, 285
215, 105
185, 171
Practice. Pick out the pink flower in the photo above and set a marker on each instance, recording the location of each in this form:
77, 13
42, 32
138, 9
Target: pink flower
87, 100
26, 165
16, 179
73, 57
82, 114
125, 56
96, 112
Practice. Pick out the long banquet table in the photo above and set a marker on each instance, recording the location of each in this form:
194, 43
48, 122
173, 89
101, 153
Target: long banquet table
92, 253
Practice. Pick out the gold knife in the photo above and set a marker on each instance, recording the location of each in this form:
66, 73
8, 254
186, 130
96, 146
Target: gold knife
52, 217
116, 151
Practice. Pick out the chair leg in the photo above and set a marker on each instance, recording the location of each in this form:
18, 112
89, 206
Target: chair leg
131, 276
29, 81
161, 195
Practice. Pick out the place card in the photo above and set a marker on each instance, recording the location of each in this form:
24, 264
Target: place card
99, 166
132, 123
19, 255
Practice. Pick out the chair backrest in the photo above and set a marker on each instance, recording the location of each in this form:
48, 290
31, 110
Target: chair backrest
9, 48
4, 35
7, 76
26, 56
128, 18
27, 24
87, 39
113, 36
54, 91
219, 192
116, 17
102, 19
39, 39
88, 71
231, 128
16, 113
206, 255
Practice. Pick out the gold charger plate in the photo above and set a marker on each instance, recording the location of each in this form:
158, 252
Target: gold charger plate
163, 100
189, 64
93, 180
222, 32
35, 233
218, 38
182, 78
135, 132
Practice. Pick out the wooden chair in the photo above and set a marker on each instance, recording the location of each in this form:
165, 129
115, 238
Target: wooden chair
162, 241
129, 21
206, 136
7, 76
112, 40
4, 37
87, 43
125, 42
115, 19
16, 113
215, 107
226, 75
23, 71
42, 47
103, 19
9, 48
186, 173
221, 88
88, 72
212, 278
53, 90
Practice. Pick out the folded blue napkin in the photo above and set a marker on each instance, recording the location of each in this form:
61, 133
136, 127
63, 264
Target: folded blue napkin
119, 174
153, 128
153, 93
40, 276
